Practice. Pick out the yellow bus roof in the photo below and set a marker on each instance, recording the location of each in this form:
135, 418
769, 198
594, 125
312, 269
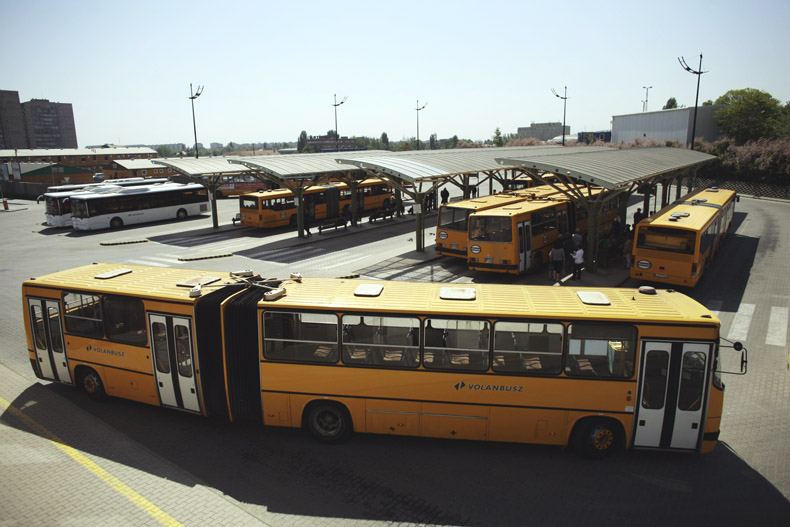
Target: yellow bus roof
693, 211
160, 283
377, 296
541, 200
284, 192
490, 300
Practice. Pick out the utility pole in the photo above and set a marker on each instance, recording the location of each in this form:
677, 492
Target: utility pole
564, 100
194, 96
337, 134
647, 90
698, 73
418, 121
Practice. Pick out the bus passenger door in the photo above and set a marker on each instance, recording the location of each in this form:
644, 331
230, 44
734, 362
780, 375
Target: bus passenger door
47, 334
524, 246
172, 355
674, 382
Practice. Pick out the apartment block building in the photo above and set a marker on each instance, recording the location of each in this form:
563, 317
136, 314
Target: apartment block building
37, 123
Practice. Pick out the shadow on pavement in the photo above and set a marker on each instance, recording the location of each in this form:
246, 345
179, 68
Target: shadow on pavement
414, 480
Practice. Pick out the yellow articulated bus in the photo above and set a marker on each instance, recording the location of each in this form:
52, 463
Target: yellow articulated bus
276, 208
594, 368
452, 227
676, 244
517, 238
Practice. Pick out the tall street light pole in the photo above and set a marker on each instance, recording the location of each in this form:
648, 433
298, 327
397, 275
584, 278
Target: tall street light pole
192, 97
647, 90
564, 100
337, 134
418, 120
698, 73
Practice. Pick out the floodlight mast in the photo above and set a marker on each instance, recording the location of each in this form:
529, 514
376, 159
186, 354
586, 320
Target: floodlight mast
337, 135
698, 73
644, 103
192, 97
418, 120
564, 99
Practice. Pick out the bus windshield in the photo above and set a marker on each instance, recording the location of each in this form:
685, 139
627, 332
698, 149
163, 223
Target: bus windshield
454, 218
490, 229
666, 239
56, 206
80, 209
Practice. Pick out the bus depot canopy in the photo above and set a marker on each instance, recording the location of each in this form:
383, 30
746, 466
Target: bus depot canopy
609, 167
203, 167
427, 165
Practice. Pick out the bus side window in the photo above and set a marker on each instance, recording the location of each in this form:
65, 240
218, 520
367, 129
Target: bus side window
304, 337
82, 315
525, 347
601, 351
124, 319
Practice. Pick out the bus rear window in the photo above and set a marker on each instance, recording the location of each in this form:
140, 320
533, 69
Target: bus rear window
248, 203
490, 229
666, 239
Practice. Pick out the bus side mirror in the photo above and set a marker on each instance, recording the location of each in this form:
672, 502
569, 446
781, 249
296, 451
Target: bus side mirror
737, 346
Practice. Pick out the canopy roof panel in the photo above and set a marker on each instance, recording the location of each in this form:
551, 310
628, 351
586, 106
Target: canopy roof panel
296, 166
205, 166
611, 168
429, 164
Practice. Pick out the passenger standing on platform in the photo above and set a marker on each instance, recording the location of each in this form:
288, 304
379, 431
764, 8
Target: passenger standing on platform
578, 262
628, 251
445, 195
638, 216
557, 257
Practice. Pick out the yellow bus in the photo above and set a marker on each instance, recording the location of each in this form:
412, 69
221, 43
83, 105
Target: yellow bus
676, 244
517, 238
276, 208
452, 224
595, 368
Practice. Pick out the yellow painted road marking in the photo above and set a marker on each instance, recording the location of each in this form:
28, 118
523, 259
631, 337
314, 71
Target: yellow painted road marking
117, 485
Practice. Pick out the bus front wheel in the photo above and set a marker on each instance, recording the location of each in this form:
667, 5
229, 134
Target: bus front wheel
92, 385
597, 438
328, 423
116, 223
182, 213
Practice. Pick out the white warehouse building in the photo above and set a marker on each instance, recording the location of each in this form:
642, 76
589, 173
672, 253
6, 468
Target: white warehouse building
666, 125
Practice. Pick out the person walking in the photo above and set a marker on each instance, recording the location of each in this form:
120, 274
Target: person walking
557, 257
578, 263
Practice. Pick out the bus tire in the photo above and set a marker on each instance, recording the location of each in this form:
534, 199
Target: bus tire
328, 422
91, 383
116, 223
597, 438
182, 213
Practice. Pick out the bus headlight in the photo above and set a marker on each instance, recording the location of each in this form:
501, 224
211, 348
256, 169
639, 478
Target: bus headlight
644, 264
475, 249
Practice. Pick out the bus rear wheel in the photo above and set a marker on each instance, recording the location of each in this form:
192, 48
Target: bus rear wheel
116, 223
91, 384
182, 213
328, 423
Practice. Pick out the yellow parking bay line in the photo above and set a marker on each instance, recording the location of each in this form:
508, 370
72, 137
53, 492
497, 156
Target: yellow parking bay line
120, 487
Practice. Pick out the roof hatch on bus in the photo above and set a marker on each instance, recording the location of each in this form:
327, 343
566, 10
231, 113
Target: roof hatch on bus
593, 298
198, 280
368, 290
112, 274
457, 293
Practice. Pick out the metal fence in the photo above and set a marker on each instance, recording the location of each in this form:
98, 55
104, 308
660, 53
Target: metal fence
760, 190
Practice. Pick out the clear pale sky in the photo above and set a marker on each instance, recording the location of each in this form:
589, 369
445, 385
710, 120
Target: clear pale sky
270, 69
